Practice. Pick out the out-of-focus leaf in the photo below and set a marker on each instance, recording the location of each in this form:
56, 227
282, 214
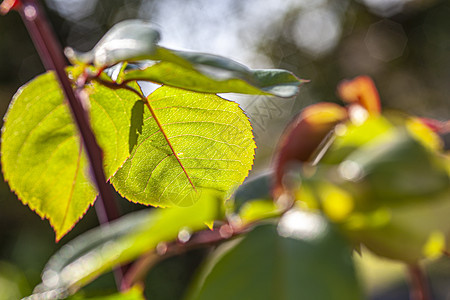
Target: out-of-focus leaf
301, 258
98, 251
304, 136
134, 293
256, 187
361, 91
42, 158
13, 283
397, 191
127, 40
136, 40
212, 146
350, 136
258, 210
395, 168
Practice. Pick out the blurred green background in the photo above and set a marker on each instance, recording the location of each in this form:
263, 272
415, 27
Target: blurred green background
403, 44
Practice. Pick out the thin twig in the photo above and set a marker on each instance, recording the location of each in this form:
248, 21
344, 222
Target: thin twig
419, 289
165, 250
52, 56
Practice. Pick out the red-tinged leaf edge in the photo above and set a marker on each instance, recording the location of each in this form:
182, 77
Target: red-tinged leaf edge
361, 90
437, 126
303, 137
7, 5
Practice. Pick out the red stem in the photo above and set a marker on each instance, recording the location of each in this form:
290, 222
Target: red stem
419, 289
198, 240
52, 57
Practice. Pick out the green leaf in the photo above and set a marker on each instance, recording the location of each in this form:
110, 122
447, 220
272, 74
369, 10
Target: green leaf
130, 39
400, 189
209, 145
257, 210
132, 294
42, 157
387, 187
350, 136
301, 258
256, 187
397, 169
136, 40
215, 74
99, 250
116, 119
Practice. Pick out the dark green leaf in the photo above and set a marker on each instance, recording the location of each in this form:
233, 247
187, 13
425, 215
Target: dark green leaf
301, 258
256, 187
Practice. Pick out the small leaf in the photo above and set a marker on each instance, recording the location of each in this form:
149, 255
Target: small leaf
42, 157
215, 74
302, 139
136, 40
130, 39
204, 142
362, 91
258, 210
99, 250
351, 136
7, 5
302, 258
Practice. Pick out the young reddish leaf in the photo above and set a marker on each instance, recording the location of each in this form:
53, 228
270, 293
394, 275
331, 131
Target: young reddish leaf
362, 91
7, 5
304, 136
436, 125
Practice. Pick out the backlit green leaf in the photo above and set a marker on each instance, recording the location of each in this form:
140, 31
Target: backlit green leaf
99, 250
301, 258
42, 157
212, 146
214, 77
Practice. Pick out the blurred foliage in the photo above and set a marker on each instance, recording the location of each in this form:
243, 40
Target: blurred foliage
404, 47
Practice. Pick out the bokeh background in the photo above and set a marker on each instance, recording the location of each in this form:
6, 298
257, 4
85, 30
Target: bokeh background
404, 45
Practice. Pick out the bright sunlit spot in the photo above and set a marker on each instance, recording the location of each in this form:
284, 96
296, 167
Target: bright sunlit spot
317, 31
350, 170
301, 225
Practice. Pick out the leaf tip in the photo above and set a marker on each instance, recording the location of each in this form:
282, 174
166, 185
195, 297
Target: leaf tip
361, 90
8, 5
